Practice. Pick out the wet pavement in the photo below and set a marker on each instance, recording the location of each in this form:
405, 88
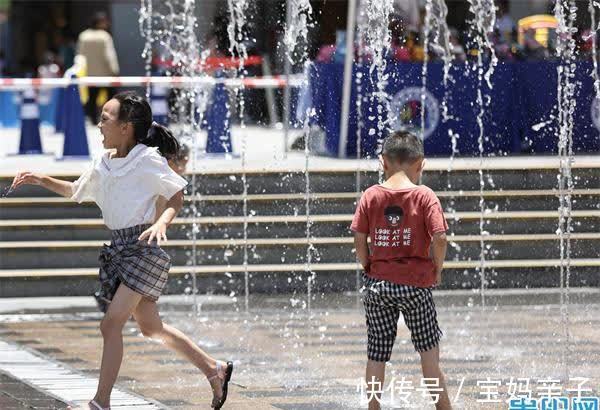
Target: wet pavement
289, 358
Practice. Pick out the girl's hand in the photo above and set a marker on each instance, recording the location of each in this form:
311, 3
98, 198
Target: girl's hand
26, 178
157, 231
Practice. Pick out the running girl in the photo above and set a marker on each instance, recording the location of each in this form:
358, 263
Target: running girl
126, 184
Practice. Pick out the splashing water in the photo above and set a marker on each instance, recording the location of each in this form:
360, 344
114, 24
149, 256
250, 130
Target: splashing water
296, 30
436, 29
310, 249
359, 128
377, 39
436, 39
425, 67
441, 39
443, 48
238, 10
145, 23
484, 12
595, 28
565, 12
170, 25
540, 125
360, 124
309, 245
485, 20
375, 32
451, 208
295, 39
299, 20
6, 192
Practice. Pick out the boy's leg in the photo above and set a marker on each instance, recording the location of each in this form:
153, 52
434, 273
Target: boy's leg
420, 317
430, 363
375, 373
119, 311
382, 327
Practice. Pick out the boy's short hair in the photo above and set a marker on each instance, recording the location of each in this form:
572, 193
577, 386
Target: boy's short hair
403, 146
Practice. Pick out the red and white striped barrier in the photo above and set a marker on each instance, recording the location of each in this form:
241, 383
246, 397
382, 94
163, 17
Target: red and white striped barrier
175, 82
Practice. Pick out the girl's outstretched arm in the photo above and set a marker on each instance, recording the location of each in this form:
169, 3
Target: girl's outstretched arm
158, 231
62, 188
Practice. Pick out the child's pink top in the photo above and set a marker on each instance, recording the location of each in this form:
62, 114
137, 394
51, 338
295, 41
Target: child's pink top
400, 224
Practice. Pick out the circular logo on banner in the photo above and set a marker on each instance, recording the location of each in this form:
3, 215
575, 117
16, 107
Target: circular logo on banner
596, 112
405, 111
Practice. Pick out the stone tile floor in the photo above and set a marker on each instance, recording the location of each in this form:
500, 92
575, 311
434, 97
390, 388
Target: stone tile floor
289, 358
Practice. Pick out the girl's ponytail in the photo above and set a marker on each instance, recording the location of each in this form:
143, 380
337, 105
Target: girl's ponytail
161, 137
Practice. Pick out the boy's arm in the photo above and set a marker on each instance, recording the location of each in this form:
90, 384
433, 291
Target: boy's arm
362, 249
439, 244
62, 188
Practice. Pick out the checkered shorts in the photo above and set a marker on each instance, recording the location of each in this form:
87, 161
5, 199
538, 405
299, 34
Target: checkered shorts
383, 302
140, 266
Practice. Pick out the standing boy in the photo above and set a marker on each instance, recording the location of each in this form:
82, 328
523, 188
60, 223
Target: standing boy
407, 228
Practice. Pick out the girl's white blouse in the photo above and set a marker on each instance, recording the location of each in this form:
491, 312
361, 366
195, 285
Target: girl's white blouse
126, 189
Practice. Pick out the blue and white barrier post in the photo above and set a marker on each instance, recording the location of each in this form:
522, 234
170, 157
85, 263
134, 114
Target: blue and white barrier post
219, 121
75, 144
31, 141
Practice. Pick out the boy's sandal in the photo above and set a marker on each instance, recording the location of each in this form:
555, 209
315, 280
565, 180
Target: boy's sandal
95, 406
218, 402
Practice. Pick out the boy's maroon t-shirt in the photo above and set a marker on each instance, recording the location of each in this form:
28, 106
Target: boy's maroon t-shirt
400, 223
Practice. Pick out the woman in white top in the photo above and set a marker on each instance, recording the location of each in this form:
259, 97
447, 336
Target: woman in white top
133, 268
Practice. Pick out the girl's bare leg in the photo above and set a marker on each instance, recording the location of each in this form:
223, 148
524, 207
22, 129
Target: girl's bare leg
119, 311
147, 317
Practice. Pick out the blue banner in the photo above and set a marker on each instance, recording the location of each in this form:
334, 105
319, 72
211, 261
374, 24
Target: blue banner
519, 109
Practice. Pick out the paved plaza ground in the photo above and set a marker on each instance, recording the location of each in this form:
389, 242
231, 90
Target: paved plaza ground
289, 358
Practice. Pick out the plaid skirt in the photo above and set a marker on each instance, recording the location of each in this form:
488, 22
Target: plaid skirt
141, 266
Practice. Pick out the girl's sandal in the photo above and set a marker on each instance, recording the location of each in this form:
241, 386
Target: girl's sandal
218, 402
95, 406
92, 405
